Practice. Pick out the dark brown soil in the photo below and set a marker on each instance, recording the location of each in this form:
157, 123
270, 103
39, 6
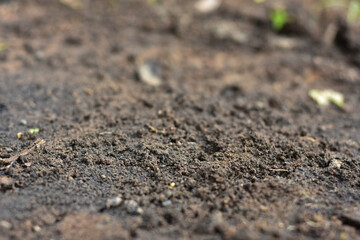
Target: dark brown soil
229, 146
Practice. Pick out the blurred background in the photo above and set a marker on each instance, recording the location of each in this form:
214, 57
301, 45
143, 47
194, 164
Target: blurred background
83, 51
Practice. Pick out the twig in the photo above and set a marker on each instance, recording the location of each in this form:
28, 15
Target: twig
279, 170
12, 159
154, 130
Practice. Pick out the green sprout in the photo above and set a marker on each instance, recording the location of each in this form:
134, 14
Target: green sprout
19, 135
3, 46
325, 97
352, 7
279, 18
353, 11
33, 130
152, 1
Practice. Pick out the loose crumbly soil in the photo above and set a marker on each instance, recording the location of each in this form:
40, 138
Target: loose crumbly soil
229, 146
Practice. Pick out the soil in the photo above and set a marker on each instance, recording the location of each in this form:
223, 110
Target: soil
228, 146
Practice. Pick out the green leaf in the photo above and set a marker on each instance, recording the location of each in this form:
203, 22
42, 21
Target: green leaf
279, 18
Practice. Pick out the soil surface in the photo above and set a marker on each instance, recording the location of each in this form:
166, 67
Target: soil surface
219, 141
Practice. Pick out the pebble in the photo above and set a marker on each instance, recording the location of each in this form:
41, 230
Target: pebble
37, 228
8, 150
286, 43
148, 73
132, 207
5, 224
229, 31
168, 193
40, 56
336, 163
113, 202
259, 105
207, 6
23, 122
6, 181
166, 203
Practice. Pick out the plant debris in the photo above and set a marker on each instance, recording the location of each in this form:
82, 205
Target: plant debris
37, 144
325, 97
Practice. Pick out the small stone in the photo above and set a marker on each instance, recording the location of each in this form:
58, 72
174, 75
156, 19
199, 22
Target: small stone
166, 203
148, 73
229, 31
37, 228
207, 6
5, 181
336, 163
8, 150
28, 164
168, 193
40, 56
291, 228
285, 43
5, 224
259, 105
23, 122
113, 202
190, 183
132, 207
